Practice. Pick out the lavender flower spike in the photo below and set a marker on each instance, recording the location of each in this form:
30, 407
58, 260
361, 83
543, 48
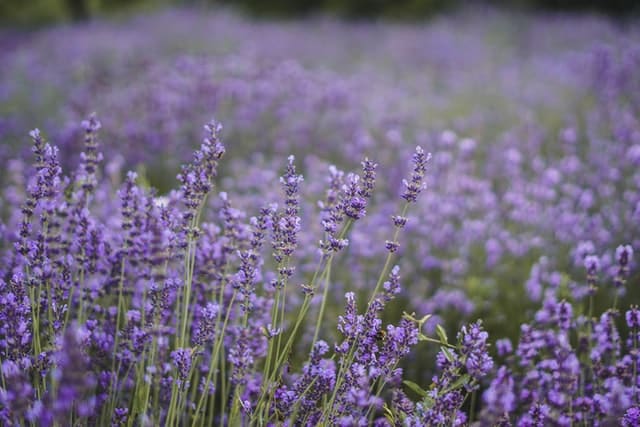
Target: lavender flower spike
416, 184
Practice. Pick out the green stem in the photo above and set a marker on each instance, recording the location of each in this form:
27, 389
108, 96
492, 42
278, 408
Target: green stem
472, 406
635, 364
120, 309
349, 360
271, 377
223, 385
214, 360
387, 263
186, 295
327, 276
280, 320
323, 304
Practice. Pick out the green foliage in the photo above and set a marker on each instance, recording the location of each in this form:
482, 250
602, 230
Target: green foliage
412, 9
33, 12
404, 9
350, 9
40, 12
21, 13
415, 388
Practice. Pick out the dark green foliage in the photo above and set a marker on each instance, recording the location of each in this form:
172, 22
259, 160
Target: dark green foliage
38, 12
417, 9
349, 9
33, 12
29, 13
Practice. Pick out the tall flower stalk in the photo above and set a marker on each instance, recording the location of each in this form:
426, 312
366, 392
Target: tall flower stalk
123, 306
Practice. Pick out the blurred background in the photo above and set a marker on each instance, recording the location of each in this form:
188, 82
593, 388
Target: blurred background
39, 12
530, 107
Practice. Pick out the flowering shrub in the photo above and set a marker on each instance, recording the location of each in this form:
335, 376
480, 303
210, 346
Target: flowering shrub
158, 315
533, 129
133, 309
570, 367
250, 295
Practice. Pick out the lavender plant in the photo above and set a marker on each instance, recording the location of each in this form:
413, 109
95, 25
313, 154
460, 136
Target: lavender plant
159, 315
169, 314
570, 367
235, 297
527, 177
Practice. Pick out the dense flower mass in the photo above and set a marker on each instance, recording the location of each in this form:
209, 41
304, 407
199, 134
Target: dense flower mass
273, 279
152, 315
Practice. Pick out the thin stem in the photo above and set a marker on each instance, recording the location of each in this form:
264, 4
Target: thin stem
472, 406
269, 379
348, 361
327, 276
120, 309
635, 364
214, 360
323, 304
387, 263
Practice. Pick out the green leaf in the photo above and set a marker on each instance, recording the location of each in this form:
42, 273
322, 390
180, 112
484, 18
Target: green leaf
442, 334
463, 380
388, 413
420, 322
415, 387
447, 354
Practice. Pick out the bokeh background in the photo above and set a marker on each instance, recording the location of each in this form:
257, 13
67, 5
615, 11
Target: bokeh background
531, 109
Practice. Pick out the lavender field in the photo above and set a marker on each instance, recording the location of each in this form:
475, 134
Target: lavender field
211, 220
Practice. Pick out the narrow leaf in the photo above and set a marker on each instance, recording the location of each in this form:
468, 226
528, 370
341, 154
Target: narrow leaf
442, 334
463, 380
415, 387
447, 354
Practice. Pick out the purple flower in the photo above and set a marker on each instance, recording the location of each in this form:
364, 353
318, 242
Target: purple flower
286, 225
350, 324
624, 253
392, 286
206, 325
500, 396
182, 359
592, 264
504, 347
241, 357
368, 178
355, 203
631, 417
416, 184
475, 350
317, 380
120, 417
90, 157
197, 177
399, 221
538, 416
564, 313
76, 381
17, 396
633, 317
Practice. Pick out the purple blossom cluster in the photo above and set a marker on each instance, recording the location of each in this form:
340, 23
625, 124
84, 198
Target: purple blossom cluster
175, 311
244, 294
525, 178
569, 366
121, 306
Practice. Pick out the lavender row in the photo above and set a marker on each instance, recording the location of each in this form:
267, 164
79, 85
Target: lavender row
531, 190
541, 159
124, 307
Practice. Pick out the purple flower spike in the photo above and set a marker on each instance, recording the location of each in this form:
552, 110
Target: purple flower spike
416, 184
633, 317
